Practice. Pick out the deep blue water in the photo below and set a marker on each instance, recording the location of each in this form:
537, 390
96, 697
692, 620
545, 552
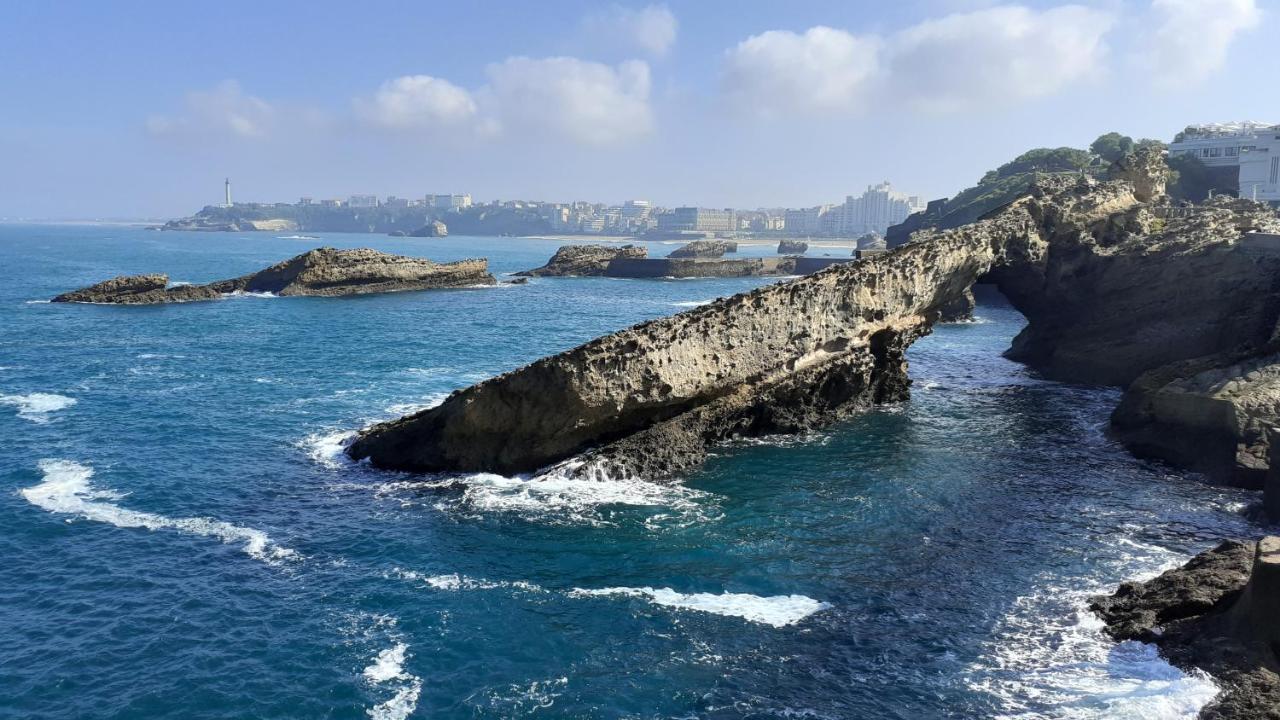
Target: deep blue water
184, 541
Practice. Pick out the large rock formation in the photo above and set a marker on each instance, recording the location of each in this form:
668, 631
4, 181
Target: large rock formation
325, 271
1219, 613
648, 400
792, 247
585, 260
704, 249
1112, 287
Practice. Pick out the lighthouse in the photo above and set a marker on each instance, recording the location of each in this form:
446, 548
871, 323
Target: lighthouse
226, 186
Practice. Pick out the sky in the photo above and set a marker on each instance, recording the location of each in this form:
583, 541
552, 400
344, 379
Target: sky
139, 109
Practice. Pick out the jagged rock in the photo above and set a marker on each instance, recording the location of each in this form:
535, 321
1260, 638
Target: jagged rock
704, 249
324, 271
1146, 169
435, 228
1144, 286
792, 247
1220, 613
585, 260
960, 309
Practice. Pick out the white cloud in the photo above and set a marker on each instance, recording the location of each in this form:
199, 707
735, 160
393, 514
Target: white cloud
225, 111
1192, 37
418, 102
998, 55
781, 72
995, 55
586, 102
651, 29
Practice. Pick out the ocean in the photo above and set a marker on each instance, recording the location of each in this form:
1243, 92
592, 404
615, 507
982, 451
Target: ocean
184, 539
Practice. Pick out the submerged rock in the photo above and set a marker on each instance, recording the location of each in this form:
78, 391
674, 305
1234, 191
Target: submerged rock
793, 247
705, 249
585, 260
324, 271
1220, 613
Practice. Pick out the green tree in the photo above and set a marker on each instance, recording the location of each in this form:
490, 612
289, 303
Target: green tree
1112, 146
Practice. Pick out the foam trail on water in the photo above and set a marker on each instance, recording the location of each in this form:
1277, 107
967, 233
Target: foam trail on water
454, 581
36, 407
778, 610
692, 303
388, 668
66, 489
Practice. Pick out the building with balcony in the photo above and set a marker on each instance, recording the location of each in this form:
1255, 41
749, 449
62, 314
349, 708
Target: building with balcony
1252, 148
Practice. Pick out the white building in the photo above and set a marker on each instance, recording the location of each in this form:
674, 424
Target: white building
449, 202
362, 201
805, 221
1252, 147
878, 208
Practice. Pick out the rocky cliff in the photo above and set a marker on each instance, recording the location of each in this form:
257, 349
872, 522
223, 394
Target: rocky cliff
585, 260
1219, 613
324, 271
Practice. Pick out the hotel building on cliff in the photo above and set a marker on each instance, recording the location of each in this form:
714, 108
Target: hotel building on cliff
1253, 148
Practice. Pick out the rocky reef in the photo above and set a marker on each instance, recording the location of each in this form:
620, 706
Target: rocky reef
585, 260
792, 247
324, 271
1219, 613
705, 249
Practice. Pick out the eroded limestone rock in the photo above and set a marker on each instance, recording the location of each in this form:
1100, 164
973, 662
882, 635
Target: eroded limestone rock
705, 249
324, 271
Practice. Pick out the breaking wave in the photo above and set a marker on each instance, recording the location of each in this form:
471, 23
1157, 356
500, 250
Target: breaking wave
65, 489
692, 303
36, 407
778, 610
388, 668
1050, 658
559, 497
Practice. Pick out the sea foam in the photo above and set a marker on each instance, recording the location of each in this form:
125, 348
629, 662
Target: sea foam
388, 668
66, 489
1050, 657
36, 407
777, 610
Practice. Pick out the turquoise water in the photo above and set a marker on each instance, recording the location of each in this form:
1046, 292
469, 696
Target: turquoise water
183, 539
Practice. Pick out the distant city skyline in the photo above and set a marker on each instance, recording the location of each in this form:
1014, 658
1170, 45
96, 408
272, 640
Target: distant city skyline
711, 104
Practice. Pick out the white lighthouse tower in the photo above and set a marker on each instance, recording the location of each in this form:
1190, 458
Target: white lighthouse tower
226, 186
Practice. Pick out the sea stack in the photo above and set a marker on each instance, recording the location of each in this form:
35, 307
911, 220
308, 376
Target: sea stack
705, 249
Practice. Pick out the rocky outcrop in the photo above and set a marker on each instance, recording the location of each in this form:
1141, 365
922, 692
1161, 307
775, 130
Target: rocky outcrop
1112, 287
585, 260
138, 290
435, 228
1219, 613
325, 271
792, 247
705, 249
647, 401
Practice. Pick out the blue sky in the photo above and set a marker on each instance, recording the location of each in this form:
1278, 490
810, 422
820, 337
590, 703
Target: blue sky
133, 109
